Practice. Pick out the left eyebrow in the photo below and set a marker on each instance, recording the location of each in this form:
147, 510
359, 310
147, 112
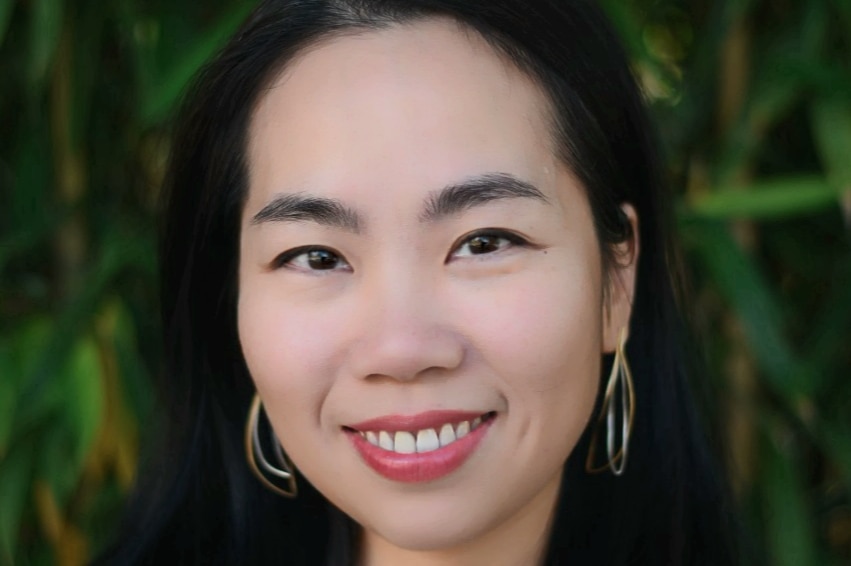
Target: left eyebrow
477, 191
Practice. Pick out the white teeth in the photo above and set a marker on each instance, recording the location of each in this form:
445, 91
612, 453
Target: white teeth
463, 429
427, 440
385, 441
447, 435
404, 443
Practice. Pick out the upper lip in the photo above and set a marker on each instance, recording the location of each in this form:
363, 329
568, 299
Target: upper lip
420, 421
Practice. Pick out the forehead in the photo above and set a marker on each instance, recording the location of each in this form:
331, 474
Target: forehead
421, 104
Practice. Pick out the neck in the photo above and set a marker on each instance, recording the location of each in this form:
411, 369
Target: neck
521, 540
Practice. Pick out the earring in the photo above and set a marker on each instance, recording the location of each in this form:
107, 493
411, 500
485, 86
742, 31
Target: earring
254, 452
620, 375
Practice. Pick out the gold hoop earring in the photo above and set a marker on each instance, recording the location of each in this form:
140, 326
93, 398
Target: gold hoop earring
254, 452
620, 375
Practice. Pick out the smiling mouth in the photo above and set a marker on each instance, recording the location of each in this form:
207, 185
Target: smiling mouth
419, 448
423, 440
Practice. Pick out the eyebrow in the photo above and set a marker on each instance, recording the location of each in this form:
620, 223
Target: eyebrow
477, 191
450, 200
304, 208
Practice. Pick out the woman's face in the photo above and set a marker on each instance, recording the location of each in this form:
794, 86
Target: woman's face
419, 271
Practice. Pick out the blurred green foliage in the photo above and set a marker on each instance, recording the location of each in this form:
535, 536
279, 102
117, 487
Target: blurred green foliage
753, 103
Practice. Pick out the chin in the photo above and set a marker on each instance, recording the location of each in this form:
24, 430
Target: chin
431, 522
429, 534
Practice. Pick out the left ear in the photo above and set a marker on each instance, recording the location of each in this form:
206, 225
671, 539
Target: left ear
620, 280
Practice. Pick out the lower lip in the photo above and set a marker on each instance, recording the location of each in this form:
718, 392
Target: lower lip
419, 468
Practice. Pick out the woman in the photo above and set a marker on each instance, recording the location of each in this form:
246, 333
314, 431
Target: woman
428, 239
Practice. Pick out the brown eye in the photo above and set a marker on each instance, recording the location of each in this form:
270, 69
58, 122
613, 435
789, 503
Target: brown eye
311, 259
322, 259
487, 242
484, 244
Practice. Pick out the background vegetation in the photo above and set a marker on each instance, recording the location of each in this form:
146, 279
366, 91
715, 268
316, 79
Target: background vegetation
753, 100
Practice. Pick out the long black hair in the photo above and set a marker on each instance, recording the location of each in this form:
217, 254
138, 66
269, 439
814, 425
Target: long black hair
196, 501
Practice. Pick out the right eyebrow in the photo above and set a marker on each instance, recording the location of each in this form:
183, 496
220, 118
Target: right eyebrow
304, 208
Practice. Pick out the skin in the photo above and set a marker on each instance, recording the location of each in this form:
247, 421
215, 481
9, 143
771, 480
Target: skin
409, 319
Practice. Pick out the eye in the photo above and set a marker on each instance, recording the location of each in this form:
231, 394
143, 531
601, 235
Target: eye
310, 258
486, 242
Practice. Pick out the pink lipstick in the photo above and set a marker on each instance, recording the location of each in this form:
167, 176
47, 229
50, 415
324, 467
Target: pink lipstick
422, 447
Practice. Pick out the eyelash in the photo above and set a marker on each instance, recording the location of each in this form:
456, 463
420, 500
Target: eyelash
288, 256
512, 238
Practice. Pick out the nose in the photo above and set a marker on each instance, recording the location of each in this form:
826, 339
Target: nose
404, 334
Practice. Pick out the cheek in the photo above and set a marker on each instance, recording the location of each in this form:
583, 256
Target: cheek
541, 330
541, 337
286, 354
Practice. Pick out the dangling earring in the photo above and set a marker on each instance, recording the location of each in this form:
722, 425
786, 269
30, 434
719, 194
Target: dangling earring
620, 375
253, 447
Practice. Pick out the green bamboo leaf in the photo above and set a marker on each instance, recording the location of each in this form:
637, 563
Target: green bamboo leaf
45, 30
774, 89
788, 526
162, 98
831, 123
15, 472
741, 283
55, 451
121, 252
27, 346
5, 16
768, 200
771, 98
83, 409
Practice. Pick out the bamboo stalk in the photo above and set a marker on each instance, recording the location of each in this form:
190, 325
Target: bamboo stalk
740, 365
70, 171
70, 546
